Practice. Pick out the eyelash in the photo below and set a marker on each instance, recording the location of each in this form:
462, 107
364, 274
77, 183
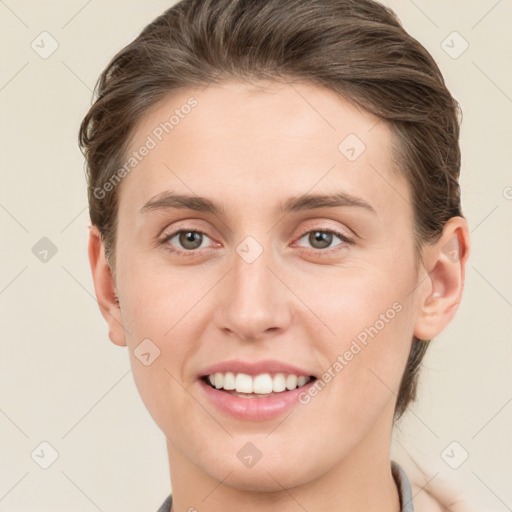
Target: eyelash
344, 238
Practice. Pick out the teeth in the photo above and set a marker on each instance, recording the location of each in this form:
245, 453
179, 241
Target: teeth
279, 382
301, 381
243, 383
263, 384
229, 381
291, 382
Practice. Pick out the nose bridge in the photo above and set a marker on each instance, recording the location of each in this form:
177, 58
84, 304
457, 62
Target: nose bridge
255, 300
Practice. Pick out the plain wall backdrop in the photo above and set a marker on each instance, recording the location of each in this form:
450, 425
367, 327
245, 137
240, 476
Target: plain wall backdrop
64, 384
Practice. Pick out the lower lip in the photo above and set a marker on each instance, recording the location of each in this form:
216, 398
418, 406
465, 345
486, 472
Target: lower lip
254, 409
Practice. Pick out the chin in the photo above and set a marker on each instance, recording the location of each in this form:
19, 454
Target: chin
268, 476
262, 481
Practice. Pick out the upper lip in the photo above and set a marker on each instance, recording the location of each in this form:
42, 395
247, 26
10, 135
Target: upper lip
254, 368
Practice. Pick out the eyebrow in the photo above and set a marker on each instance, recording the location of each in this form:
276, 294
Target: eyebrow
304, 202
315, 201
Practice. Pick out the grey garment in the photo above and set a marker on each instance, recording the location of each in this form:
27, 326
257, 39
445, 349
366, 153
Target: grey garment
403, 485
401, 480
166, 505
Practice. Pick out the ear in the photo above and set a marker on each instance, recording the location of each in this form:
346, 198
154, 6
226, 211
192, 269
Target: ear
441, 291
104, 287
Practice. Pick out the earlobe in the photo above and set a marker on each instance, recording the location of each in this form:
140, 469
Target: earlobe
442, 292
104, 287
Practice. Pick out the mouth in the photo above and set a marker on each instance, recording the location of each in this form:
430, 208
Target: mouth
255, 390
256, 386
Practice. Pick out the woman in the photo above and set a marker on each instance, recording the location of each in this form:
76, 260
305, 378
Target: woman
276, 236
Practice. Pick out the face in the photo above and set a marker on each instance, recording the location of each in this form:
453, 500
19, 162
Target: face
250, 275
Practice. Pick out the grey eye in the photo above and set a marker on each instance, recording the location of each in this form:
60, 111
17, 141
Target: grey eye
322, 239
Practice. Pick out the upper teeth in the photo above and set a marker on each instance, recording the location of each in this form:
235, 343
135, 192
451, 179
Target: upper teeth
261, 384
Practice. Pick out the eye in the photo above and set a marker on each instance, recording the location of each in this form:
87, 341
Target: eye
188, 239
322, 239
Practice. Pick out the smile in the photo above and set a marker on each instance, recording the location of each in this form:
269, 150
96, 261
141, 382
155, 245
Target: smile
256, 398
258, 386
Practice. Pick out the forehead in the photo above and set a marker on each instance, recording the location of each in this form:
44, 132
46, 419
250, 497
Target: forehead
249, 144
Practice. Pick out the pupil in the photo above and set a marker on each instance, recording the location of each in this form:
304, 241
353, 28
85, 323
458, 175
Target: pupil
190, 237
322, 237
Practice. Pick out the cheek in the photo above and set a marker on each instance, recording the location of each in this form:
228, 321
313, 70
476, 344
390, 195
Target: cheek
369, 315
158, 300
161, 310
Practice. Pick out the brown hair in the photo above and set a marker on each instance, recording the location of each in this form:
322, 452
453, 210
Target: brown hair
356, 48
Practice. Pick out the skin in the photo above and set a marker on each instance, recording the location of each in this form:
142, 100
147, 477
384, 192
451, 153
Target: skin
248, 147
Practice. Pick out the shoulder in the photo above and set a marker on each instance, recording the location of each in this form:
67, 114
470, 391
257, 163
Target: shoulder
438, 496
423, 501
430, 491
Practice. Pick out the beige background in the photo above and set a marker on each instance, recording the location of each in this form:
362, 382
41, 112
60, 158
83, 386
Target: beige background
64, 383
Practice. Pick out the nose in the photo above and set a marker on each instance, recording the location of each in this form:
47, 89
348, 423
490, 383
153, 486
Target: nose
254, 301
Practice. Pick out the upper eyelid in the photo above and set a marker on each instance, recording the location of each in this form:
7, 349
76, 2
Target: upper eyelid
314, 227
334, 231
165, 233
171, 233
